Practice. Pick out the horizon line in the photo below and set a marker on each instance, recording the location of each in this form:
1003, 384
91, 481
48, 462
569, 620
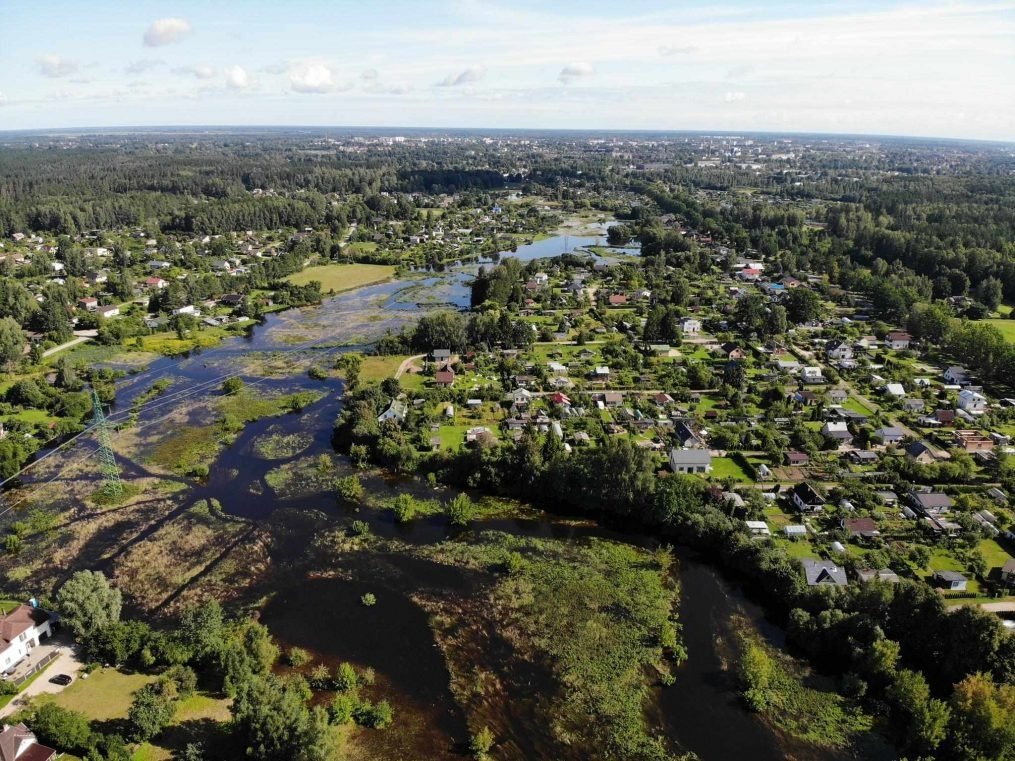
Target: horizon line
565, 130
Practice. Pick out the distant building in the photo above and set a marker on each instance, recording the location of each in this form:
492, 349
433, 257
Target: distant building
898, 340
824, 572
18, 743
807, 498
690, 461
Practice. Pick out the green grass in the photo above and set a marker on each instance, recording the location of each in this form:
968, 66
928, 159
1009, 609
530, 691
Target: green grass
104, 694
798, 702
335, 278
376, 369
1007, 328
726, 467
995, 555
856, 405
595, 614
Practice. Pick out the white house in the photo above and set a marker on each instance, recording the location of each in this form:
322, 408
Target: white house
396, 411
690, 326
972, 402
812, 374
758, 528
895, 389
107, 312
958, 376
898, 340
690, 461
21, 630
188, 309
839, 350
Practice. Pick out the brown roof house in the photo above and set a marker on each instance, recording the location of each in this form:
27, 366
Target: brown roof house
21, 630
18, 743
445, 377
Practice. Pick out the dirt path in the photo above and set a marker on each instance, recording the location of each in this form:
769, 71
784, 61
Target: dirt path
61, 347
406, 364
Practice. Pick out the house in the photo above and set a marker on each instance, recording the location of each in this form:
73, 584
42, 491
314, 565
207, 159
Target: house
837, 395
690, 326
688, 438
972, 402
556, 368
396, 411
898, 340
1008, 572
89, 302
18, 743
913, 405
929, 501
690, 461
861, 528
951, 580
807, 498
839, 350
107, 312
890, 434
521, 397
188, 309
154, 284
895, 390
159, 264
795, 531
441, 356
731, 351
956, 376
824, 572
797, 459
862, 456
811, 374
445, 377
613, 399
972, 441
602, 372
760, 528
617, 299
837, 430
21, 630
884, 574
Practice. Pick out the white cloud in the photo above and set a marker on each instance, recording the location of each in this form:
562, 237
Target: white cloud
3, 98
734, 96
311, 78
237, 78
574, 71
668, 50
52, 65
166, 31
143, 65
198, 71
370, 75
467, 76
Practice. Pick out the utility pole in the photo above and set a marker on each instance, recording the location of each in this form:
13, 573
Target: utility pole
107, 459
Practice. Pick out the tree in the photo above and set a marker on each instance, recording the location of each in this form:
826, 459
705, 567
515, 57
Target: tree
274, 723
88, 603
232, 385
920, 719
802, 305
481, 744
349, 488
152, 709
990, 291
12, 341
59, 727
983, 719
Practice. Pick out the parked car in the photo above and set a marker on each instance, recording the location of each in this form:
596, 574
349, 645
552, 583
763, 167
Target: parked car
62, 679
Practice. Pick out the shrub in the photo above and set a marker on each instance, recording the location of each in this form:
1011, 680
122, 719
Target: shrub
359, 528
232, 385
368, 599
297, 657
481, 744
349, 488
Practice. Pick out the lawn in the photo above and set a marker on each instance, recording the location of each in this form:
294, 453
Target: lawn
726, 467
376, 369
995, 555
855, 405
104, 694
335, 278
1007, 328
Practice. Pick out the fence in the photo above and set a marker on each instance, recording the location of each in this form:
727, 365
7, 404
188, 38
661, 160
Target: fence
36, 669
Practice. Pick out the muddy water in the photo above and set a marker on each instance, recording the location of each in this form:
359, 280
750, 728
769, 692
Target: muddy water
699, 713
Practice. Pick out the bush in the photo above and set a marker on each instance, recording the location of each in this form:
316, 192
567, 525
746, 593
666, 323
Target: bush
368, 599
184, 677
481, 744
359, 528
374, 716
232, 385
317, 373
297, 657
461, 510
349, 488
343, 707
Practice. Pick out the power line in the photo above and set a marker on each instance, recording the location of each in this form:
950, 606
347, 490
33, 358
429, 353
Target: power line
110, 472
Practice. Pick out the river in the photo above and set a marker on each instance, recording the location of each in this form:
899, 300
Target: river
699, 713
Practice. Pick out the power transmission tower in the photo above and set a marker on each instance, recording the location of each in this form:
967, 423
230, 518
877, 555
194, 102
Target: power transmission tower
110, 472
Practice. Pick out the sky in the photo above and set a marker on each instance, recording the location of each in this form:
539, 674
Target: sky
928, 68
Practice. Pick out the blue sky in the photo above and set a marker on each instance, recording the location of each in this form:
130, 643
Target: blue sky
920, 68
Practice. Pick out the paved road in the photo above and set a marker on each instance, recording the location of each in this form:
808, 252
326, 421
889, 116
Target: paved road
65, 663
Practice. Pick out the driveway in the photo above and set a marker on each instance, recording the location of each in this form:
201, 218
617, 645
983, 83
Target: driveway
66, 663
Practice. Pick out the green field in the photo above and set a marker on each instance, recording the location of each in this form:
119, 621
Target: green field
1007, 328
726, 467
104, 694
335, 278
